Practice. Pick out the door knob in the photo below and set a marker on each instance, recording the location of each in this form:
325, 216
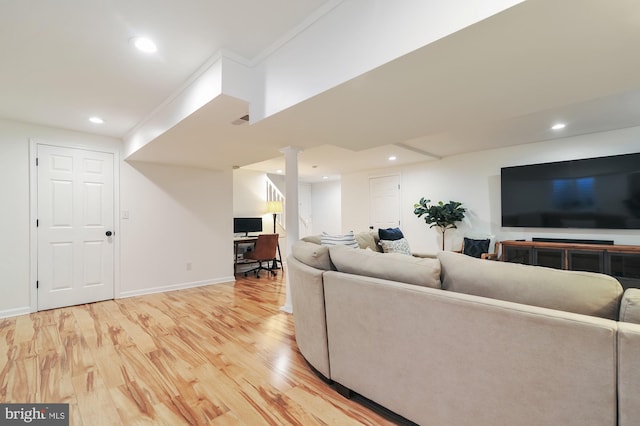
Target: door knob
109, 233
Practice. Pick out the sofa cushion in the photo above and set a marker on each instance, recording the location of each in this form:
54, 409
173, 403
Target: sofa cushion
390, 266
630, 306
396, 246
390, 234
572, 291
475, 248
312, 254
312, 239
368, 240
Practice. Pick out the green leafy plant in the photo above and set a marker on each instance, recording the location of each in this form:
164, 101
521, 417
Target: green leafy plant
440, 215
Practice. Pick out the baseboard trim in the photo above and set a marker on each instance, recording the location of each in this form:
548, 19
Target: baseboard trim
174, 287
8, 313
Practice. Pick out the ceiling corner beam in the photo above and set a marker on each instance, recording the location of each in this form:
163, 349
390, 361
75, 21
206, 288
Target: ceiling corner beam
417, 150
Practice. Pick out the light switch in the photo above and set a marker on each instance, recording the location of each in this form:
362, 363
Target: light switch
125, 214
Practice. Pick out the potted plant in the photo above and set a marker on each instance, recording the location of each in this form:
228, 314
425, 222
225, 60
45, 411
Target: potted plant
441, 215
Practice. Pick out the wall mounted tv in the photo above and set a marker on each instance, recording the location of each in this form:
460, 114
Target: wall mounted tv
246, 225
594, 193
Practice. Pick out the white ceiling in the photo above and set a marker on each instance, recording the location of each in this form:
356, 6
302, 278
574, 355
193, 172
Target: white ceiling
65, 60
500, 82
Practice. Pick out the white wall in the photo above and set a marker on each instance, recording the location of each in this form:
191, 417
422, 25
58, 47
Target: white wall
14, 218
474, 179
322, 56
176, 215
250, 196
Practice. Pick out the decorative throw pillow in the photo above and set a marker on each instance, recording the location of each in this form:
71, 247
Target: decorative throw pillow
475, 248
367, 240
348, 240
390, 234
396, 246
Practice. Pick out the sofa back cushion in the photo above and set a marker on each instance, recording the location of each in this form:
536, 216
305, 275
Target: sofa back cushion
630, 306
368, 240
312, 254
316, 239
572, 291
389, 266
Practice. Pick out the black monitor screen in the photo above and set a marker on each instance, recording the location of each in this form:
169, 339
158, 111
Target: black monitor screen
596, 193
247, 224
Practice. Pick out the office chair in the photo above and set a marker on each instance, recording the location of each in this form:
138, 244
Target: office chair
264, 252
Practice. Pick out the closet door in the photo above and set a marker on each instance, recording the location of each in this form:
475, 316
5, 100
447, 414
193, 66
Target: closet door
384, 195
75, 226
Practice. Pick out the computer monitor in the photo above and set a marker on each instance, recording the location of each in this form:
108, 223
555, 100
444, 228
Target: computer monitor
246, 225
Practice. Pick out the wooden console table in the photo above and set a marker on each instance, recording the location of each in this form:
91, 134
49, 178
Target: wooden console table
620, 261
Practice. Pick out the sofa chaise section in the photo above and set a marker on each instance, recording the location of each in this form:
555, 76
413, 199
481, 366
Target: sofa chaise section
440, 357
448, 339
307, 296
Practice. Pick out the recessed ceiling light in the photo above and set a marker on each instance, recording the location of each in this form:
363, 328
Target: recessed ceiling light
96, 120
279, 171
144, 44
392, 158
558, 126
325, 177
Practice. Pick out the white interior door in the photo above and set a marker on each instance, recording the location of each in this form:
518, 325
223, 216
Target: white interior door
75, 226
384, 193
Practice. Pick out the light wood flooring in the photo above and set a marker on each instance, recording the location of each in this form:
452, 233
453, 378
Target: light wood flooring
222, 355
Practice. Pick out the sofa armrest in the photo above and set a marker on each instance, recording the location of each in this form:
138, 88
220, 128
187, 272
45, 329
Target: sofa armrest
630, 306
628, 374
489, 256
307, 296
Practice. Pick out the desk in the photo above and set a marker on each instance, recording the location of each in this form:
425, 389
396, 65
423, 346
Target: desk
250, 240
236, 243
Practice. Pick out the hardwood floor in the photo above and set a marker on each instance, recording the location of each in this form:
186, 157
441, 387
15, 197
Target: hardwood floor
221, 354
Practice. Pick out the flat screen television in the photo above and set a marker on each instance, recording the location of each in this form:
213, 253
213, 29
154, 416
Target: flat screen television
595, 193
246, 225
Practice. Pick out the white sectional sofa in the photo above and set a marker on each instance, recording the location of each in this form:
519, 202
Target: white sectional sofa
453, 340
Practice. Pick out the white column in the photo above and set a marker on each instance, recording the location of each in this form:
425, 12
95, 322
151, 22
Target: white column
291, 209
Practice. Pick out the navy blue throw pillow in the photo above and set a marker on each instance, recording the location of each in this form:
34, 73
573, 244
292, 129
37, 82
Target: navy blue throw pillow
475, 248
390, 234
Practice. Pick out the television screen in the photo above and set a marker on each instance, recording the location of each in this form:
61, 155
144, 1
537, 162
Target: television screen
596, 193
247, 224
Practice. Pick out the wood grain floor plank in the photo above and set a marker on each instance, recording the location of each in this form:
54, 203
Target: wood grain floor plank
222, 355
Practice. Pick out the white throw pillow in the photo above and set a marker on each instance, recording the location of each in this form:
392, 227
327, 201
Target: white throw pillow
396, 246
348, 240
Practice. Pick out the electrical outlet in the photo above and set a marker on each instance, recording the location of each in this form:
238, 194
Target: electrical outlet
189, 266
